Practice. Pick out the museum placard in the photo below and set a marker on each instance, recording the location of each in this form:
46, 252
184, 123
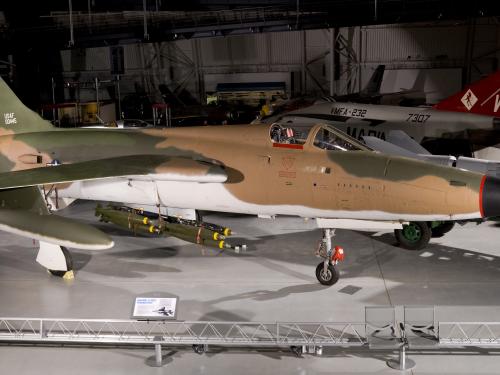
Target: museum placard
155, 308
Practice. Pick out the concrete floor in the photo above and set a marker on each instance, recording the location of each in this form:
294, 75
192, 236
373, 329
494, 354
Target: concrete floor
273, 281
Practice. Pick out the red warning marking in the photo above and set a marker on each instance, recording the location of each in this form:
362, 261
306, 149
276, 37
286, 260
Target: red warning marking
288, 145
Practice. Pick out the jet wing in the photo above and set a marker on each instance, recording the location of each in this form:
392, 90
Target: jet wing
53, 229
24, 212
157, 167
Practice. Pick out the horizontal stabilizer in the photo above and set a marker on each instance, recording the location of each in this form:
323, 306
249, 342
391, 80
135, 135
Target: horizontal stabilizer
159, 167
53, 229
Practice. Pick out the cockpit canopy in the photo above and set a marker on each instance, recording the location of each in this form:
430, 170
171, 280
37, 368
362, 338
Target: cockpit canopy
329, 138
326, 137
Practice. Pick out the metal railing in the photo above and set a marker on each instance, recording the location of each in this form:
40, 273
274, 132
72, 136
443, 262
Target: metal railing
182, 333
416, 329
463, 334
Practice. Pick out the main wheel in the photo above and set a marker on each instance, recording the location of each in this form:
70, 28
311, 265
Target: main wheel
414, 236
442, 228
330, 277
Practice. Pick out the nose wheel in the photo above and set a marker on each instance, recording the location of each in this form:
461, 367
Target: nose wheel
327, 276
327, 272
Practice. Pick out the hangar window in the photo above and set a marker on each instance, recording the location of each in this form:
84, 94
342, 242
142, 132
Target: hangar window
328, 138
289, 135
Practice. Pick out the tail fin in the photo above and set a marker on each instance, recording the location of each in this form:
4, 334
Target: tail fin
419, 83
481, 97
15, 117
373, 85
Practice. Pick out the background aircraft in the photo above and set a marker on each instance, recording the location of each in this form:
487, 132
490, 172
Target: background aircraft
450, 127
316, 173
370, 94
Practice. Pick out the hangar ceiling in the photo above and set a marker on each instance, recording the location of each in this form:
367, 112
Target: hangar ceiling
92, 23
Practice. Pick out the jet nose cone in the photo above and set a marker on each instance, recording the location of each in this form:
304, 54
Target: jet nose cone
489, 196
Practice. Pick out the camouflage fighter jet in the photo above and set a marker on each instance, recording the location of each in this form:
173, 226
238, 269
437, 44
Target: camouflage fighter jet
318, 173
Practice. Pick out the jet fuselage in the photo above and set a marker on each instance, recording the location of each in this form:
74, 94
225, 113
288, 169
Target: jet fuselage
264, 177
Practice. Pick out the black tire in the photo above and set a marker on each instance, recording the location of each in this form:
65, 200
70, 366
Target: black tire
331, 277
57, 273
442, 228
414, 236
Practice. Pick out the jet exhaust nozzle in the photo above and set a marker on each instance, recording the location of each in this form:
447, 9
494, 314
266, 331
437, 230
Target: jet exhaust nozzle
489, 196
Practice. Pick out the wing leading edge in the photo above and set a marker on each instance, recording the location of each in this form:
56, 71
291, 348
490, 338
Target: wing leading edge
159, 167
24, 212
53, 229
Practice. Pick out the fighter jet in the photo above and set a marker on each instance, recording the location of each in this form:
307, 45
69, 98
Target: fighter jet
370, 94
319, 173
459, 125
164, 311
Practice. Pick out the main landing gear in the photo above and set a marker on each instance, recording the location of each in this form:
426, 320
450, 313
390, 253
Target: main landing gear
327, 272
416, 234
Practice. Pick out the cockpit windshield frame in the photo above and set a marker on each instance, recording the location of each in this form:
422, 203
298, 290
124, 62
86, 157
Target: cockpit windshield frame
343, 137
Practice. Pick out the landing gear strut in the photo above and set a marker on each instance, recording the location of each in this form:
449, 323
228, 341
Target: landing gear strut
326, 272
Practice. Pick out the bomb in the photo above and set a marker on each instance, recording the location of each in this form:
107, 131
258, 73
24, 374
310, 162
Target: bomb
199, 233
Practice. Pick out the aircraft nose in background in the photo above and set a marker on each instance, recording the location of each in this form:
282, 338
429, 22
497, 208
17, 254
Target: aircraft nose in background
489, 196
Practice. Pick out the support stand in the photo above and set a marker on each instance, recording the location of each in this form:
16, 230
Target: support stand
402, 363
158, 358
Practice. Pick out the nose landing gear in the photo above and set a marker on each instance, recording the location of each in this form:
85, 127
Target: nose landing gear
327, 272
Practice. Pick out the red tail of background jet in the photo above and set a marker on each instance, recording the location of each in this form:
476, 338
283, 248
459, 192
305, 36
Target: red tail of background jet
481, 97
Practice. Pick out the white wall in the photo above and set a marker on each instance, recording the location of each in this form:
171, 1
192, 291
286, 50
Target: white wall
438, 49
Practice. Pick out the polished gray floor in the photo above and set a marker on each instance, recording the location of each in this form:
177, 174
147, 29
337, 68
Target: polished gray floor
273, 280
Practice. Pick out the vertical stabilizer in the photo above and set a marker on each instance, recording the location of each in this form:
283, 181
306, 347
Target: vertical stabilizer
375, 82
481, 97
419, 84
15, 117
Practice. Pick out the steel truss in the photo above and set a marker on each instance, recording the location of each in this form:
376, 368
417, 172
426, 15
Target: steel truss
467, 334
417, 329
181, 333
